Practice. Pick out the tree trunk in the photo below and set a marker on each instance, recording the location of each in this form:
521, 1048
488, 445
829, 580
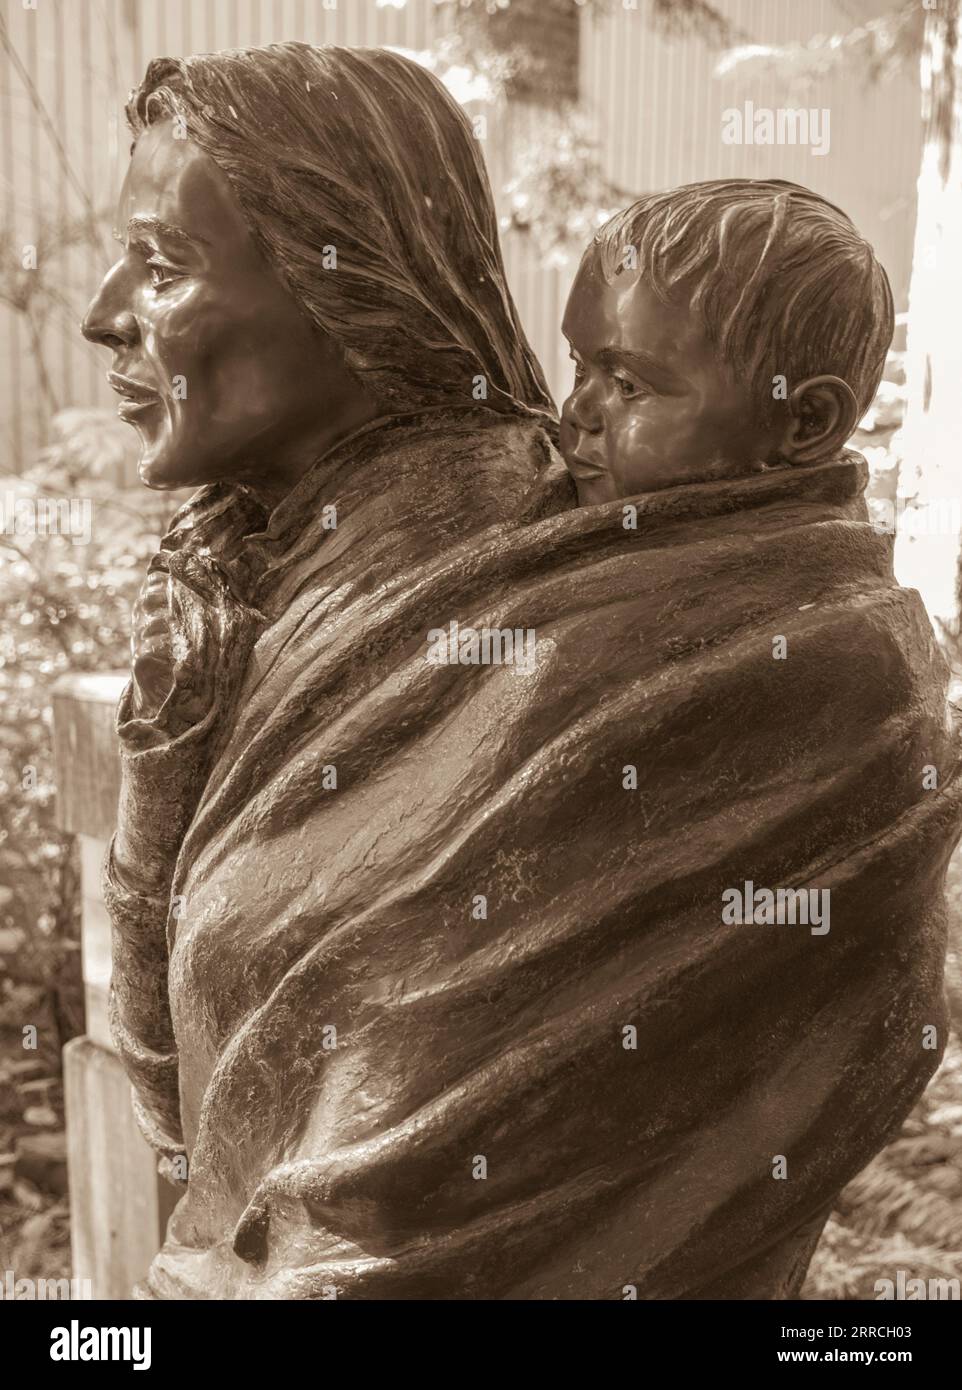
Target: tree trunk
927, 550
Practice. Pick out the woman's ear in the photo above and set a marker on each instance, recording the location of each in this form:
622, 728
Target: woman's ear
823, 415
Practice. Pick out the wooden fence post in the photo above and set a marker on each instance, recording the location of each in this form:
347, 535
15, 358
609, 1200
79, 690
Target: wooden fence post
118, 1204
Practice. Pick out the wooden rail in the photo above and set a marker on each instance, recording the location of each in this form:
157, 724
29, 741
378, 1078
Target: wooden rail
118, 1204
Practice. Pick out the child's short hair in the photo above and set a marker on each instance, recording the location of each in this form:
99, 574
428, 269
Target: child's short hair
782, 281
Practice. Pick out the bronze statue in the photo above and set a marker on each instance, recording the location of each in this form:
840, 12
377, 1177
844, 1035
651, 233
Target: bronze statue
691, 313
421, 960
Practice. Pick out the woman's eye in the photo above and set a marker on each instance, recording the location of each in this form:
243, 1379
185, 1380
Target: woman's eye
160, 274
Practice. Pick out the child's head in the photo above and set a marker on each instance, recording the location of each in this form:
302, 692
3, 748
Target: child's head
717, 328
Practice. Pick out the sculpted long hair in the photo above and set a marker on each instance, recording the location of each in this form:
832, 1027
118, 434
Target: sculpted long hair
365, 152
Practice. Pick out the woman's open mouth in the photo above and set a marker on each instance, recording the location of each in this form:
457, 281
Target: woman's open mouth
135, 397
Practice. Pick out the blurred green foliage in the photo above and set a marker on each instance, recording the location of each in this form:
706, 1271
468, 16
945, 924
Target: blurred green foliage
63, 607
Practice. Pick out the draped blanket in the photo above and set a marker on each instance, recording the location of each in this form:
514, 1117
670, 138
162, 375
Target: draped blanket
452, 1008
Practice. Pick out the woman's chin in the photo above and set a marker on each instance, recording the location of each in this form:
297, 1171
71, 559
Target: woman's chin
162, 473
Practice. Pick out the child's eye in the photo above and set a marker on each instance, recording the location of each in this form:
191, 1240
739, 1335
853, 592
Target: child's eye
628, 388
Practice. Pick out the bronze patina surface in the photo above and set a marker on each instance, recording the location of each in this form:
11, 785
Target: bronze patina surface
436, 996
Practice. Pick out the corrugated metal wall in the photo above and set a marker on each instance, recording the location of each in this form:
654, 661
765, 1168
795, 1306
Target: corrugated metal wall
658, 110
69, 64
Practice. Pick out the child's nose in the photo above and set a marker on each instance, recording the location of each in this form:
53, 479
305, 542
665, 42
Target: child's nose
582, 410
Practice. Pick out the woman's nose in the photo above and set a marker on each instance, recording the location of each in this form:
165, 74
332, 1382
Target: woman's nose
109, 321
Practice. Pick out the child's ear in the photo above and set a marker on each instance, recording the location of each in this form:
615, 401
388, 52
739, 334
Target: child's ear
823, 415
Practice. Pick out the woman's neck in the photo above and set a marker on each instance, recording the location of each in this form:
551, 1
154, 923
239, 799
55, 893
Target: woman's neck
290, 463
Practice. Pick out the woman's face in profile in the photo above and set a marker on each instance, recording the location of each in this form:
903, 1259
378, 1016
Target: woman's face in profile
217, 368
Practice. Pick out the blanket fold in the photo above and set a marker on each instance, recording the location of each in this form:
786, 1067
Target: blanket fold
455, 1008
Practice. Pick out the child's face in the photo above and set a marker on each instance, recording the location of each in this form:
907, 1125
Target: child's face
651, 407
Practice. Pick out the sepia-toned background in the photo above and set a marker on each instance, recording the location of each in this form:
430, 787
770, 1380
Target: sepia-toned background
580, 108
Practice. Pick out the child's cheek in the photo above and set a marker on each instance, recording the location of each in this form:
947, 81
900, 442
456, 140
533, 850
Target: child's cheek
636, 445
